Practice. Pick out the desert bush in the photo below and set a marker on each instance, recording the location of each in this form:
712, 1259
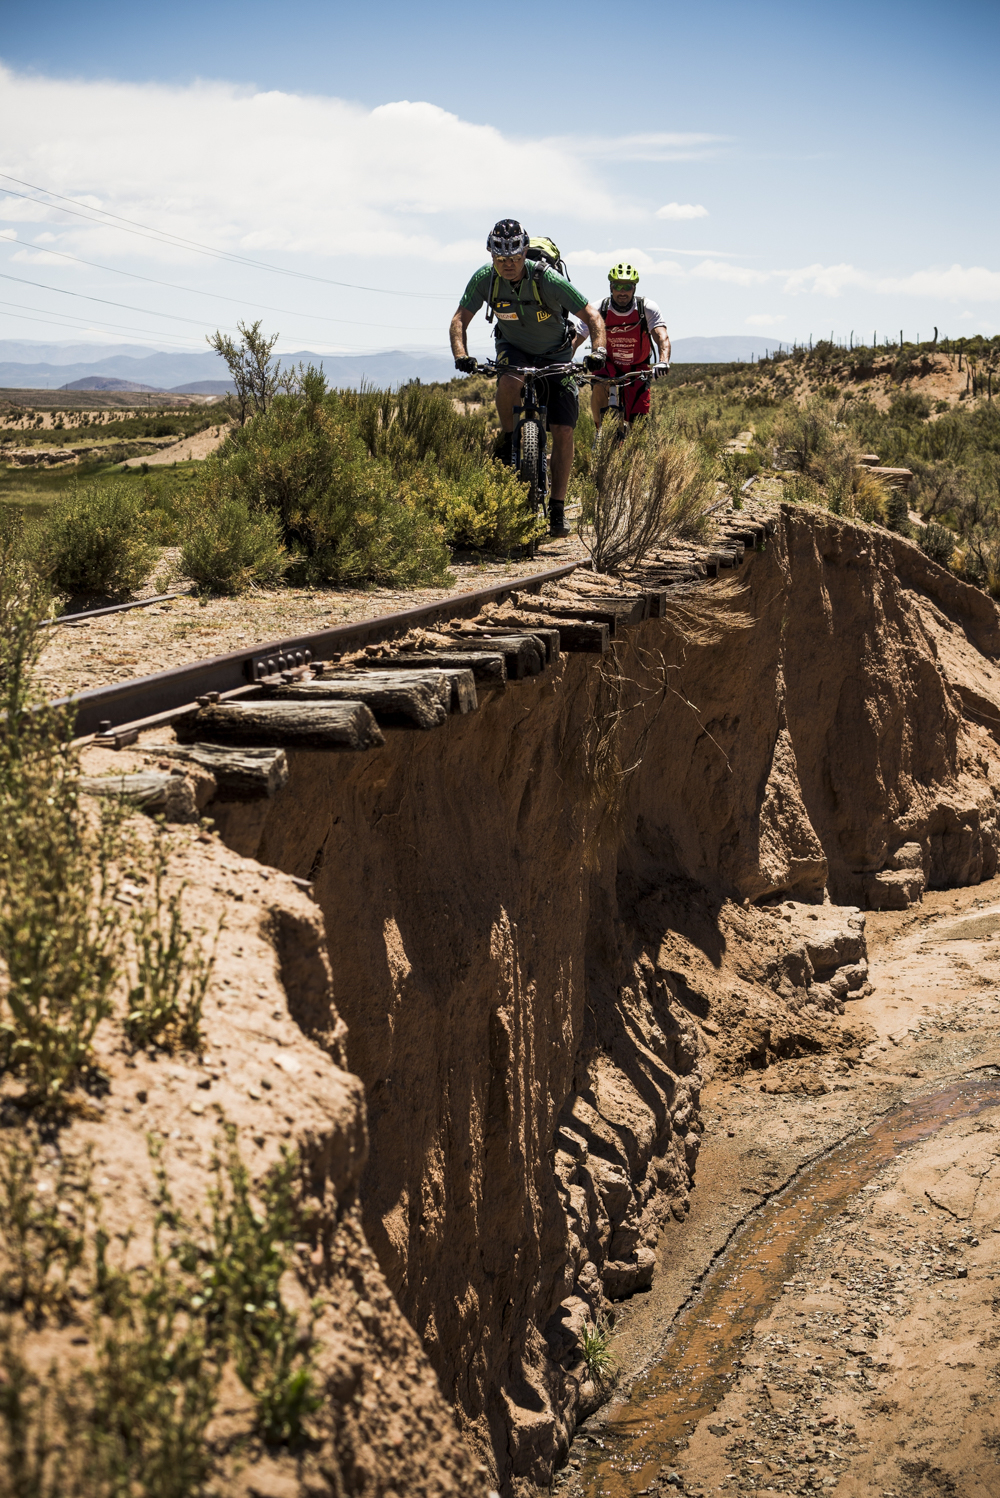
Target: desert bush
897, 512
413, 426
641, 492
734, 469
339, 513
242, 1260
939, 543
96, 541
799, 489
228, 547
171, 969
45, 1208
132, 1416
60, 929
598, 1358
485, 510
255, 377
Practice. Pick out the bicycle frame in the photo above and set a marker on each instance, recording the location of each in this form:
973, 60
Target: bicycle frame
532, 410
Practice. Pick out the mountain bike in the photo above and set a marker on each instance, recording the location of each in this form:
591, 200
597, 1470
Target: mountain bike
528, 456
615, 409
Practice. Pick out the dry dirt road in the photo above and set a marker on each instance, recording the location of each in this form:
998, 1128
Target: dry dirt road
847, 1340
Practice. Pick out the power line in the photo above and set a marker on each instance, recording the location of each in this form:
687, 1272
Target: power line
218, 295
21, 311
85, 297
101, 323
145, 231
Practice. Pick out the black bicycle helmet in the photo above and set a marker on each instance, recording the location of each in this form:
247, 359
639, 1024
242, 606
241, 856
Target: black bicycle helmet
507, 238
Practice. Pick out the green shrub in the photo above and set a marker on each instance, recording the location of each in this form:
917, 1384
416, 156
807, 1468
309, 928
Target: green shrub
96, 541
229, 547
44, 1220
734, 469
897, 512
172, 972
132, 1417
60, 929
801, 490
486, 510
939, 544
340, 513
598, 1358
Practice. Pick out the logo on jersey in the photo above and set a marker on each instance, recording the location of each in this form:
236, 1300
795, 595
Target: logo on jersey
543, 316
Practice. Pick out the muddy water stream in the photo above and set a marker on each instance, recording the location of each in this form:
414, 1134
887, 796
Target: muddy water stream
697, 1363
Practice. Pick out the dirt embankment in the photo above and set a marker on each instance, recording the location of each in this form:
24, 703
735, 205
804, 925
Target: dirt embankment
533, 950
546, 922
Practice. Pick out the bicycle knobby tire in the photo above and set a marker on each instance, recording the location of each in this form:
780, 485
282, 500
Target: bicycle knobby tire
529, 470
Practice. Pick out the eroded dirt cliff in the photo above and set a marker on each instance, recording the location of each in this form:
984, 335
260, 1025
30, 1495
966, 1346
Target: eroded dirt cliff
548, 921
536, 916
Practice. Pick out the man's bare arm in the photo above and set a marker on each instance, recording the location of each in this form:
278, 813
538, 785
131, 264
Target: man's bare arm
595, 324
663, 344
456, 331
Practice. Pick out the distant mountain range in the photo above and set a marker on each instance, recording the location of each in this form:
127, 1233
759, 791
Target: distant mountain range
49, 366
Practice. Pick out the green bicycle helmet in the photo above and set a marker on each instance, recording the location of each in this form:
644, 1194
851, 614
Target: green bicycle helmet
623, 272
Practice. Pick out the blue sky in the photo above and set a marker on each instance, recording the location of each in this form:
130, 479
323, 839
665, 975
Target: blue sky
772, 168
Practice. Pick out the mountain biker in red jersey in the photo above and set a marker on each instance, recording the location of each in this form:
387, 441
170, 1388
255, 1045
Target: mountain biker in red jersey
635, 326
533, 305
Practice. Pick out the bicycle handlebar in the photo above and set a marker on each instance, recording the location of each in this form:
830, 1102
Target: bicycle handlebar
544, 371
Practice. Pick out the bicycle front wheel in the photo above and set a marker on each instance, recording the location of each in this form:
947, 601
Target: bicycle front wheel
530, 469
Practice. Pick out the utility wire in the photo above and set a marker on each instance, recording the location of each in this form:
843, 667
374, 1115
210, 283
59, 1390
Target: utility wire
145, 231
216, 295
80, 324
85, 297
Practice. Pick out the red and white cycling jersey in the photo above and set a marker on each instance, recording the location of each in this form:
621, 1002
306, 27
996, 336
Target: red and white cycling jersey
629, 342
629, 332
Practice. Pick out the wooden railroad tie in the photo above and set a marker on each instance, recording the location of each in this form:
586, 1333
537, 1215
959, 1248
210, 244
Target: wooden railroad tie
488, 668
424, 698
247, 774
298, 724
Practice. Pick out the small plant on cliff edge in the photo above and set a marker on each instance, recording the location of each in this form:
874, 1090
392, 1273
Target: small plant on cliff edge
172, 972
598, 1358
241, 1264
938, 542
60, 930
640, 493
45, 1210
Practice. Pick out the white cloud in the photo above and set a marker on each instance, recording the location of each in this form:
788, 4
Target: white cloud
603, 260
765, 319
8, 233
735, 275
681, 211
652, 147
956, 283
301, 174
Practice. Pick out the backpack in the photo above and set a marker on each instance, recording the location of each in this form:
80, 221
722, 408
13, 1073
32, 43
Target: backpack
545, 253
640, 303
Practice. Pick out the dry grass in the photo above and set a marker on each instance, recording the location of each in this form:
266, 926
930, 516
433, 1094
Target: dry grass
626, 708
642, 493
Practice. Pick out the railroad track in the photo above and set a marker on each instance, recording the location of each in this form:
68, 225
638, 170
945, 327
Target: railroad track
235, 715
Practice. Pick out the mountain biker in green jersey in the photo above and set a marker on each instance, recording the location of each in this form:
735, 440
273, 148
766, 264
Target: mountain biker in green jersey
532, 304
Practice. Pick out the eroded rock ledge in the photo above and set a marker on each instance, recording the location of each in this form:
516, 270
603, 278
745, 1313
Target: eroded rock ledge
546, 921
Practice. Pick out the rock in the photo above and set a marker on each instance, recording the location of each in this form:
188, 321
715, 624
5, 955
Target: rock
893, 889
909, 856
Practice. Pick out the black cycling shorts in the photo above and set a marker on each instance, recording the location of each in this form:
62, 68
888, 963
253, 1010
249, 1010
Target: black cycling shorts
563, 400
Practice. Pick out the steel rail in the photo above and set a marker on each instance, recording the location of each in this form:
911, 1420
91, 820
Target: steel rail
126, 703
85, 615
